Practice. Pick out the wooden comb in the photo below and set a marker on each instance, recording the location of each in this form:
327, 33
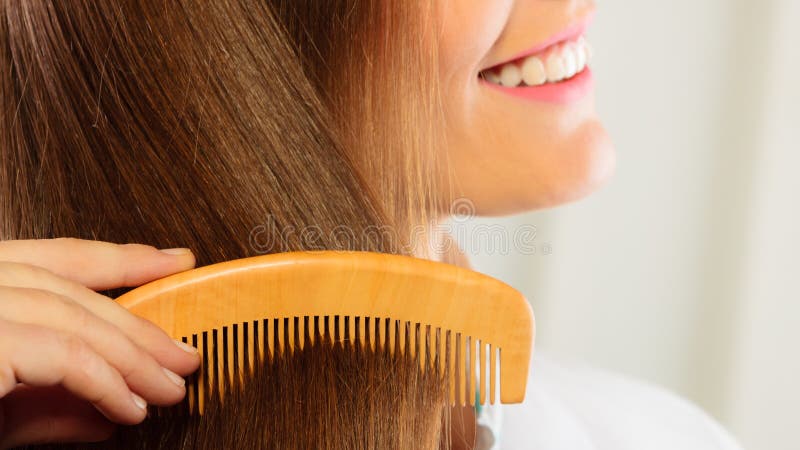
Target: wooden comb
371, 298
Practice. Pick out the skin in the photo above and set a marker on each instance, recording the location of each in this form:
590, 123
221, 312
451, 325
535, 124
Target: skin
86, 361
509, 155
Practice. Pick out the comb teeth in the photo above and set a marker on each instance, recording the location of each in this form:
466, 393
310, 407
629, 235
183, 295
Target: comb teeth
233, 352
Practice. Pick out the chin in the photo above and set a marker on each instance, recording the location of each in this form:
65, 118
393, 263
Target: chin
585, 175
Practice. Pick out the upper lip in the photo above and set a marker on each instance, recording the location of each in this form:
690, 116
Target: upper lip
571, 32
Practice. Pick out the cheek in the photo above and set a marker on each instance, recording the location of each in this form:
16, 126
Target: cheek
509, 157
468, 30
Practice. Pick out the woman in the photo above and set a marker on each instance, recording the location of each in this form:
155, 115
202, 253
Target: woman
190, 125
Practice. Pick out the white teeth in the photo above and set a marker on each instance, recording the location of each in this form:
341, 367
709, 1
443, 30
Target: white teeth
510, 75
587, 49
562, 62
581, 47
570, 61
555, 68
580, 57
533, 73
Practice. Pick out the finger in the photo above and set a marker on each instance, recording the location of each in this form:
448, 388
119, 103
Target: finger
139, 370
42, 415
155, 341
98, 265
53, 358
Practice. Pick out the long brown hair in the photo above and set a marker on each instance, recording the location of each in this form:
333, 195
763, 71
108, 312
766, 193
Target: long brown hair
381, 83
194, 123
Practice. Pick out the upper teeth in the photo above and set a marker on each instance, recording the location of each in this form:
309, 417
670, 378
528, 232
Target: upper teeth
559, 63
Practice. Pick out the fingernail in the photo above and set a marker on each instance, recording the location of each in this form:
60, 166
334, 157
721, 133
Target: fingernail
139, 401
176, 251
177, 379
185, 347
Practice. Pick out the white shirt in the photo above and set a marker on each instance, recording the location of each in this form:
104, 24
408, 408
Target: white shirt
579, 408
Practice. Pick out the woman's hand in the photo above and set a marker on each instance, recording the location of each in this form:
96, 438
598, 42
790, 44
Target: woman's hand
73, 362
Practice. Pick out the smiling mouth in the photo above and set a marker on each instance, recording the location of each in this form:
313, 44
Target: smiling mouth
557, 63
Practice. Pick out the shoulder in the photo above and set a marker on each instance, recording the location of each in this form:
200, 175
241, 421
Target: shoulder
581, 408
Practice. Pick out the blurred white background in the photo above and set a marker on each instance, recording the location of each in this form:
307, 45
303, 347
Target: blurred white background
685, 269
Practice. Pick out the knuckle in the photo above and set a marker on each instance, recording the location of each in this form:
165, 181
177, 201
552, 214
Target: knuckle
71, 246
72, 346
152, 334
98, 395
137, 247
80, 317
69, 313
86, 367
146, 327
12, 272
8, 381
143, 329
4, 248
42, 301
132, 358
69, 241
7, 267
128, 359
77, 355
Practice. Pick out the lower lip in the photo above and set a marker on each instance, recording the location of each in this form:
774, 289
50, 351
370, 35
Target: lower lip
567, 91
